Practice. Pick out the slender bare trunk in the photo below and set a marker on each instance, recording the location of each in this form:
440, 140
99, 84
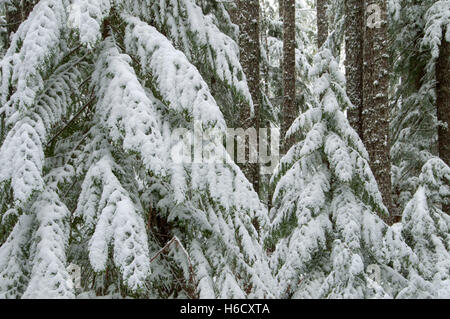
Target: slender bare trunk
322, 22
289, 110
375, 114
443, 104
250, 56
354, 41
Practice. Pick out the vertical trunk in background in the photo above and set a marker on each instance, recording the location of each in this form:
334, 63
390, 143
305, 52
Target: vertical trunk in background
322, 22
289, 109
250, 56
375, 114
281, 10
354, 41
443, 103
16, 12
233, 11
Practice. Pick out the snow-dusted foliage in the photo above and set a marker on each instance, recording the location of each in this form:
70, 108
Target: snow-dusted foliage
170, 69
38, 82
425, 227
417, 30
137, 127
198, 35
91, 96
33, 259
29, 57
87, 17
114, 158
325, 230
214, 191
111, 219
49, 277
13, 253
437, 21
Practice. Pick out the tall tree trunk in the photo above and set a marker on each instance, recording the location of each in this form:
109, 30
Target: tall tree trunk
322, 22
443, 103
281, 9
289, 110
354, 42
250, 56
375, 114
233, 11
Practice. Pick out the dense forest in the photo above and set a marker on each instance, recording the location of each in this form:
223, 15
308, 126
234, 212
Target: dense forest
225, 149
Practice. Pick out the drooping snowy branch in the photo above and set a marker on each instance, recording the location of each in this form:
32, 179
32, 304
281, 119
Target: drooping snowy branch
86, 16
112, 222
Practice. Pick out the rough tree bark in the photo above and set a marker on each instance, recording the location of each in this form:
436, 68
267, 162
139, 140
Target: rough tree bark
375, 114
289, 110
443, 103
232, 9
322, 22
250, 56
354, 41
281, 10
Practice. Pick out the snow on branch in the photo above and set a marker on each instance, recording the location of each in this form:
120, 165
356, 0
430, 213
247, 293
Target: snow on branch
86, 16
125, 108
112, 221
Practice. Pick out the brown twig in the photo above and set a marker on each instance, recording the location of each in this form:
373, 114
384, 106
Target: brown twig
178, 242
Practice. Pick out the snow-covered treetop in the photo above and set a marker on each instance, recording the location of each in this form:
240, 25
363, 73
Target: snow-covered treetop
326, 200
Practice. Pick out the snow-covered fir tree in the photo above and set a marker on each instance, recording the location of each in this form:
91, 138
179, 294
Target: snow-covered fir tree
115, 161
92, 94
425, 228
326, 229
416, 32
